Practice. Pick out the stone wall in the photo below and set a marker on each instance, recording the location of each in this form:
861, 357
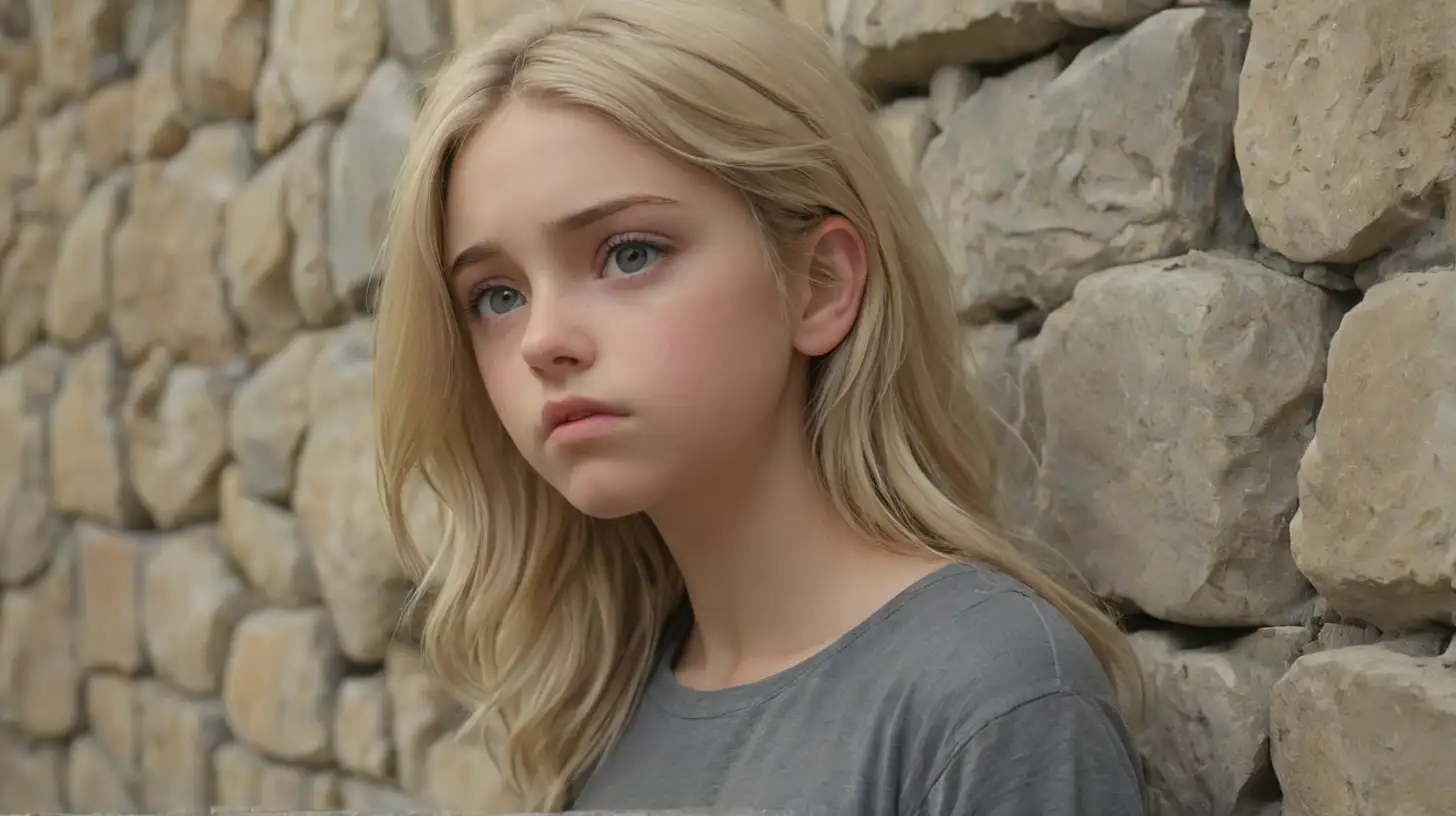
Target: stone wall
1207, 262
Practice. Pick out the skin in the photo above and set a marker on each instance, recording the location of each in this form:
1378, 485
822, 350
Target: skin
589, 265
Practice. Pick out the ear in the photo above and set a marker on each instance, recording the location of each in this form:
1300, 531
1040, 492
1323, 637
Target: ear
829, 287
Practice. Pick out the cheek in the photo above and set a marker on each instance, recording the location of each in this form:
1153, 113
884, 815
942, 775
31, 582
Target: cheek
502, 379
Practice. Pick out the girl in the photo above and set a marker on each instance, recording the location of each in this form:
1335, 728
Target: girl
674, 347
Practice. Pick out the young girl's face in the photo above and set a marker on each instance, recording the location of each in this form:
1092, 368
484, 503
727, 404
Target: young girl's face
625, 321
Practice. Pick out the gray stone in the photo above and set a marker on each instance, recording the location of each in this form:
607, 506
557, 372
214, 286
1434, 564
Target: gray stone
1042, 178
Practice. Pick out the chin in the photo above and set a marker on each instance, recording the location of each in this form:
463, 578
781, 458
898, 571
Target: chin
606, 493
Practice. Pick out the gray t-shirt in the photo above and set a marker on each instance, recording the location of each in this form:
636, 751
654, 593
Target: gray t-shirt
965, 695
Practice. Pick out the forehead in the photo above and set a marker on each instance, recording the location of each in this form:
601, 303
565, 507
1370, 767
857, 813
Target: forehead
533, 163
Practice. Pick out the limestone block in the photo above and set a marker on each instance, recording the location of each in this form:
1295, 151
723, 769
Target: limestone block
63, 168
422, 712
29, 530
1365, 730
81, 44
25, 273
1042, 178
889, 44
167, 289
159, 124
76, 299
906, 128
270, 416
178, 737
40, 671
362, 736
365, 159
264, 542
320, 52
222, 48
1344, 124
191, 602
306, 200
111, 570
418, 31
113, 710
1175, 399
88, 470
280, 686
93, 782
176, 425
1376, 527
1205, 741
337, 499
256, 254
32, 775
106, 127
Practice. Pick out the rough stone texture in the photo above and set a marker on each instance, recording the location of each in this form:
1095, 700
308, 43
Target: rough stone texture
1174, 401
1376, 528
1365, 730
1156, 239
1344, 128
1206, 737
1044, 176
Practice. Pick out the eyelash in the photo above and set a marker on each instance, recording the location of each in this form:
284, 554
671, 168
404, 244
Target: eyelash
472, 303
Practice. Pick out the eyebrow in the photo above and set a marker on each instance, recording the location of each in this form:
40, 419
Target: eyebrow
484, 250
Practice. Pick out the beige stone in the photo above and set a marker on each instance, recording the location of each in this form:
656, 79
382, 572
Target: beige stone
306, 198
148, 22
1364, 730
256, 257
222, 49
362, 737
337, 499
179, 736
320, 52
80, 43
40, 673
281, 677
359, 795
469, 19
1037, 181
63, 168
950, 86
191, 602
363, 162
19, 63
418, 31
264, 542
106, 126
76, 299
24, 275
239, 773
895, 44
906, 128
1205, 741
159, 125
1176, 398
166, 286
89, 476
422, 712
176, 424
111, 569
113, 710
270, 416
1344, 123
93, 783
32, 775
1376, 527
460, 775
17, 155
29, 530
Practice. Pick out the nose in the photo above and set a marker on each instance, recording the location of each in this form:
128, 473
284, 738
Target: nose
556, 340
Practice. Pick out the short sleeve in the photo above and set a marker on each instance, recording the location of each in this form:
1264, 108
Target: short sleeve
1061, 754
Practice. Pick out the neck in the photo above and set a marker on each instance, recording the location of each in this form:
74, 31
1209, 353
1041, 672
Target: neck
773, 571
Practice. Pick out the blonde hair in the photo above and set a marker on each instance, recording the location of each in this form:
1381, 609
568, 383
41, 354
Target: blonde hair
546, 620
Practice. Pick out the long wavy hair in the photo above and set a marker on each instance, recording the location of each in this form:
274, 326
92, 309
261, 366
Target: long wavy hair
546, 620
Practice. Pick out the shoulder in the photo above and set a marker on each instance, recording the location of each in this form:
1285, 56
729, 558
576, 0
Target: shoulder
998, 691
978, 640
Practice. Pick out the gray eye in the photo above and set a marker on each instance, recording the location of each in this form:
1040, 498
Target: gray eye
499, 300
632, 257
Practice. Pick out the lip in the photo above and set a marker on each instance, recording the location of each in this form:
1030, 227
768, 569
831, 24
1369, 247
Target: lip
576, 412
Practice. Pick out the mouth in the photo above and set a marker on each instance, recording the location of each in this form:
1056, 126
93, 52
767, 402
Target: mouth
576, 413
